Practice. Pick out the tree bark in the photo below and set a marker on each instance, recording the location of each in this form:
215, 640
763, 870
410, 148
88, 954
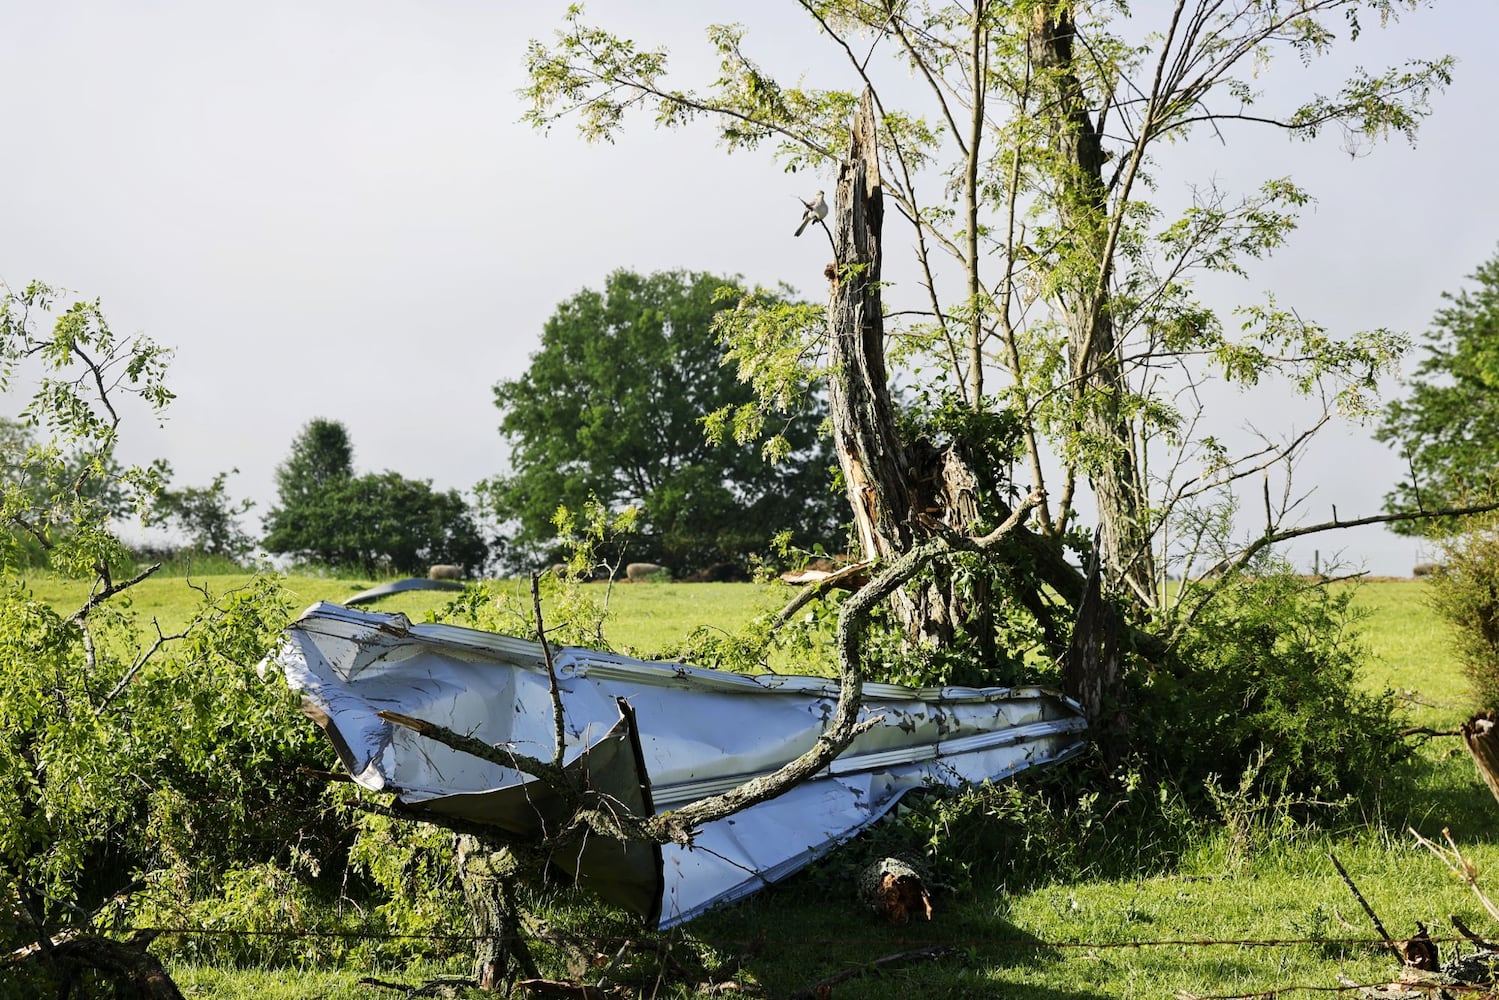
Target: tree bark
888, 483
133, 971
488, 877
869, 453
1098, 384
1481, 734
891, 486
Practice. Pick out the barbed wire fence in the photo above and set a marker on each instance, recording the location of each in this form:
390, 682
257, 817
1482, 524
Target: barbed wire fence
921, 949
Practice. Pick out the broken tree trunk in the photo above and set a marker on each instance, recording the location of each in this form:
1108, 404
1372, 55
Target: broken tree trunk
889, 483
895, 487
1481, 734
869, 452
487, 876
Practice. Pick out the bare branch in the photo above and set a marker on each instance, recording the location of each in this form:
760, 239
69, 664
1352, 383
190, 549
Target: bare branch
110, 589
559, 720
1275, 538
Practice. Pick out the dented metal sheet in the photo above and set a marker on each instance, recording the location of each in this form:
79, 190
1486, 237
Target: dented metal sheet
656, 736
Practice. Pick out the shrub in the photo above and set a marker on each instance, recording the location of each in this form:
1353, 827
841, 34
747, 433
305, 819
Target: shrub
1464, 591
1264, 678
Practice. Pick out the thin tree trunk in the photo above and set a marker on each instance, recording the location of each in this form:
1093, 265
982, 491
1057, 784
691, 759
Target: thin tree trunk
488, 877
1098, 383
1094, 675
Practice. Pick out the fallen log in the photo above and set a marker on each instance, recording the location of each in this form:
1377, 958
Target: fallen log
69, 954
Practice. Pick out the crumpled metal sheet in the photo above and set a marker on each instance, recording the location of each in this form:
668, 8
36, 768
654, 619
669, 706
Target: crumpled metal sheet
654, 735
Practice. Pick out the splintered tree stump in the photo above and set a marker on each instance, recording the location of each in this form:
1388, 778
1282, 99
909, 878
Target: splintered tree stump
1481, 734
895, 890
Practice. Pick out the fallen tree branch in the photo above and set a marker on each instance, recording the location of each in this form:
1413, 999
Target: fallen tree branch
677, 826
812, 590
1461, 866
125, 961
1389, 942
824, 987
607, 816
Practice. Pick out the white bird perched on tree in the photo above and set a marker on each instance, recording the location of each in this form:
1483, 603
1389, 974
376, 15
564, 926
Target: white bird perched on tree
817, 210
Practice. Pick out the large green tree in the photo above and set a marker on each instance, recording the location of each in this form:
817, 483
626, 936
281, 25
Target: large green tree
613, 406
321, 458
1061, 348
1447, 428
378, 522
385, 521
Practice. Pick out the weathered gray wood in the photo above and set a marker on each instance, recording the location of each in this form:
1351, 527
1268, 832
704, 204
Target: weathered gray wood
1481, 734
869, 453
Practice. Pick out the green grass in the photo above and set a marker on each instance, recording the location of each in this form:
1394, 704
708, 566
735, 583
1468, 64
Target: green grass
644, 618
1088, 935
1410, 652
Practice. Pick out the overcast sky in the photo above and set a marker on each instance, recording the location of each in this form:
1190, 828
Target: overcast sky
331, 209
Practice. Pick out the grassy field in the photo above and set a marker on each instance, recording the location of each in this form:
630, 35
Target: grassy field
1097, 934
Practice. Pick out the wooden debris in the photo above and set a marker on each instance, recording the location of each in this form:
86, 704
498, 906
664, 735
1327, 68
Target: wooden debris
1421, 951
559, 989
1465, 931
895, 890
128, 964
1373, 917
1461, 866
1481, 734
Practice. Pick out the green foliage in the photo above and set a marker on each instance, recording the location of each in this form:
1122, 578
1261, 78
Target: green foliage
207, 516
1448, 427
1266, 674
58, 494
1465, 593
581, 425
411, 868
321, 454
1078, 310
129, 754
575, 615
375, 523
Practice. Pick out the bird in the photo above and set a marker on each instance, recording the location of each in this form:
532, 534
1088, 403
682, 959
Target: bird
817, 210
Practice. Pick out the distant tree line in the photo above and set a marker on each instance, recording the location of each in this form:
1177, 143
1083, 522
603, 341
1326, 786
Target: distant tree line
325, 515
631, 401
376, 522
